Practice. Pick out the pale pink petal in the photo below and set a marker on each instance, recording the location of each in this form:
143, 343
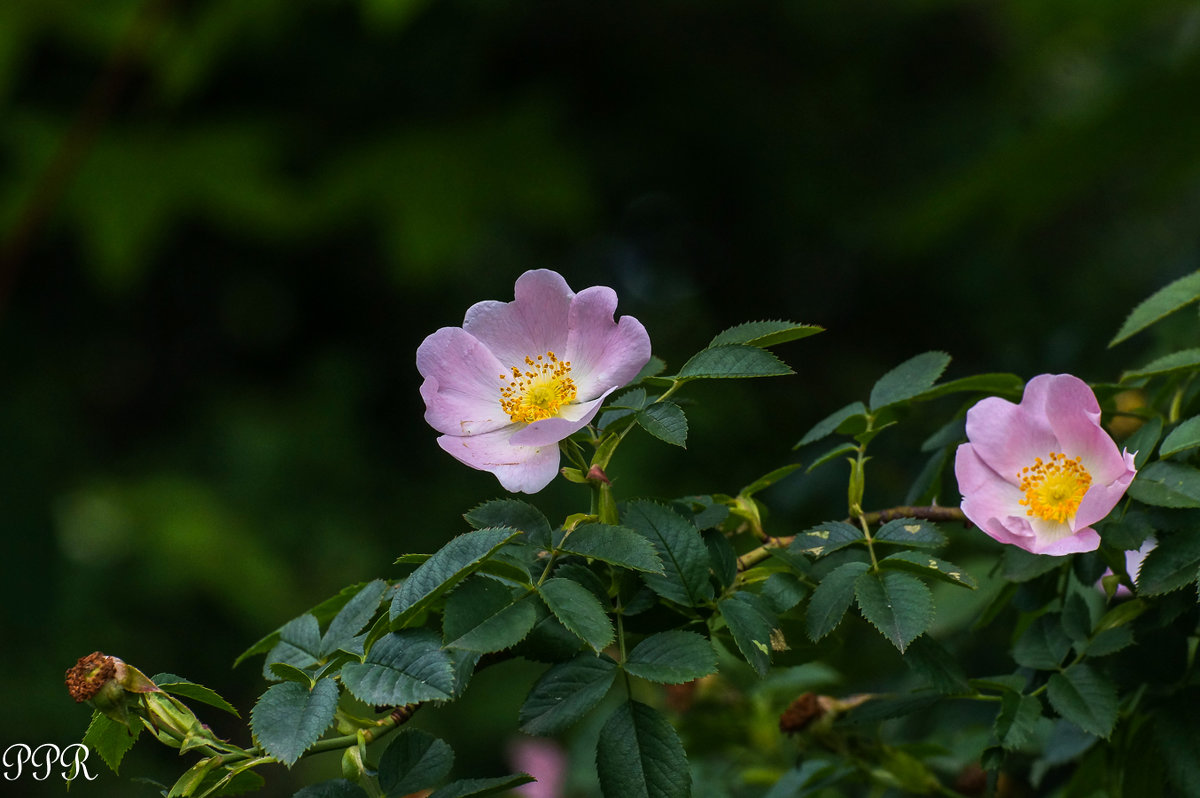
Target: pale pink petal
1101, 498
533, 324
520, 469
1074, 414
986, 496
1008, 437
604, 353
1057, 539
462, 384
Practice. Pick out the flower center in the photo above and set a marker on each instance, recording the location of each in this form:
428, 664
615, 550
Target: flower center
539, 391
1053, 490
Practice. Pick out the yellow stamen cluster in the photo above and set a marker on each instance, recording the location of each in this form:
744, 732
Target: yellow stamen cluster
539, 391
1054, 489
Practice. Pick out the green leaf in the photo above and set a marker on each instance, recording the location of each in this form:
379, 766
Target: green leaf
1142, 442
290, 673
783, 590
831, 599
1170, 565
565, 693
299, 645
1044, 644
1158, 305
721, 556
289, 718
993, 384
1110, 641
177, 685
615, 545
765, 333
351, 619
402, 668
825, 538
732, 361
485, 616
666, 421
1077, 618
1022, 566
768, 479
924, 565
856, 411
680, 549
323, 612
639, 755
930, 660
578, 609
477, 788
750, 622
414, 760
334, 788
908, 380
1183, 360
110, 739
672, 657
831, 455
911, 532
898, 605
1085, 698
1185, 436
1017, 721
453, 563
1167, 484
1176, 737
513, 514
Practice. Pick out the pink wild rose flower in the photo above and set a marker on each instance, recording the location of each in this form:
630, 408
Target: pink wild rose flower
518, 377
1038, 474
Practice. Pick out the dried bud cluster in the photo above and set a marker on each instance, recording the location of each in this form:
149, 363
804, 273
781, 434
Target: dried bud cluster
90, 674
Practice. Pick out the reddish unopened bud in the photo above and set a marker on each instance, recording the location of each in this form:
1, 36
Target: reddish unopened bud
810, 707
596, 474
89, 675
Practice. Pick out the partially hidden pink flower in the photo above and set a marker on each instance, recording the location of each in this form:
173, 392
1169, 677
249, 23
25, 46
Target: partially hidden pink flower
518, 377
1038, 474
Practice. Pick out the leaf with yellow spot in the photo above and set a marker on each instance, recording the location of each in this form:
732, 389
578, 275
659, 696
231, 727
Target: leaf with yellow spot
924, 565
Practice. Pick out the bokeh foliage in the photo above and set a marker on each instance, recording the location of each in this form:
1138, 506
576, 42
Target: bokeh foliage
227, 225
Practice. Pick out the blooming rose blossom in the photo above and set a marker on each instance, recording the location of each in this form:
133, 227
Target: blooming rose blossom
1038, 474
518, 377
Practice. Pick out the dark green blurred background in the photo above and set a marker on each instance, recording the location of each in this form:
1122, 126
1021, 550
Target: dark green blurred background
227, 225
